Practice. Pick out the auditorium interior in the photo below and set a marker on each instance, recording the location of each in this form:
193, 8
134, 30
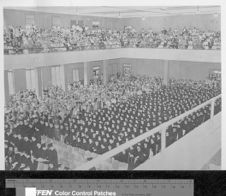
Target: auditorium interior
112, 88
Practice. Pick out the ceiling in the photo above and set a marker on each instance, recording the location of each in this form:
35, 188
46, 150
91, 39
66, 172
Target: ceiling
126, 12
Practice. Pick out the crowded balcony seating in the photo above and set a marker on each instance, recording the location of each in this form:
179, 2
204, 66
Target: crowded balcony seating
92, 120
32, 39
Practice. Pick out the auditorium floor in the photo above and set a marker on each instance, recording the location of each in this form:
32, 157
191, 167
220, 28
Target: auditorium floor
214, 163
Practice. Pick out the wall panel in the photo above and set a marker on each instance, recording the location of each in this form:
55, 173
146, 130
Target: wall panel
44, 20
90, 68
202, 21
191, 70
69, 71
46, 76
145, 66
151, 67
20, 79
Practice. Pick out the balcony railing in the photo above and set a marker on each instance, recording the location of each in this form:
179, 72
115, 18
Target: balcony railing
161, 128
25, 61
19, 50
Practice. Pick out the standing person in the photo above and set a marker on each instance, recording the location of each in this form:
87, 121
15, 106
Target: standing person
52, 156
131, 161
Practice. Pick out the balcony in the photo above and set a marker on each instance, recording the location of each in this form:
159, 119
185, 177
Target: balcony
60, 58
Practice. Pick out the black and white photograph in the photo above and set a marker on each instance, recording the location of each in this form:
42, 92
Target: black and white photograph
112, 87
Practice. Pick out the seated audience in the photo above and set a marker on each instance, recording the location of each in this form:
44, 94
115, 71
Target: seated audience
31, 39
98, 118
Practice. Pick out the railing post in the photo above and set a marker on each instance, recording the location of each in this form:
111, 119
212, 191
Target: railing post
163, 138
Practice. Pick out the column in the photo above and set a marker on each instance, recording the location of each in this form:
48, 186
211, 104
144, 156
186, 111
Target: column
62, 76
166, 72
75, 75
85, 74
28, 79
34, 81
11, 82
46, 76
58, 79
53, 75
42, 81
104, 72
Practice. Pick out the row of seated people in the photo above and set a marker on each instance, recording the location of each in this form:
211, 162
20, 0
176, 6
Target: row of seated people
15, 113
35, 39
140, 152
124, 121
26, 151
107, 128
89, 98
144, 150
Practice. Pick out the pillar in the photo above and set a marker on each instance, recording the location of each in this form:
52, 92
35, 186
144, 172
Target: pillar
166, 72
85, 74
11, 82
28, 79
42, 80
46, 76
53, 75
104, 72
34, 81
75, 75
19, 79
58, 76
62, 77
